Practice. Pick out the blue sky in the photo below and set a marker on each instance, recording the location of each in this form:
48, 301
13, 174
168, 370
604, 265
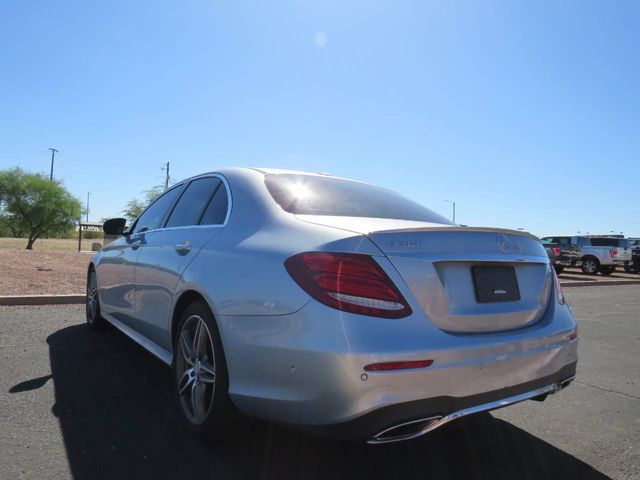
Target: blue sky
525, 113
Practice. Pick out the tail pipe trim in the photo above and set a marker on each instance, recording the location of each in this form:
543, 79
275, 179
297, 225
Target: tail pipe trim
417, 428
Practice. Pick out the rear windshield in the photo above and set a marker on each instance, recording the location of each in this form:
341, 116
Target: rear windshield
315, 195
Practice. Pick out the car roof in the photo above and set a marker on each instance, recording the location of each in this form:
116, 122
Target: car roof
277, 171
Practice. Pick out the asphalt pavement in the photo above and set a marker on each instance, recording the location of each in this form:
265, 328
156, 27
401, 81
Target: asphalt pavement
78, 404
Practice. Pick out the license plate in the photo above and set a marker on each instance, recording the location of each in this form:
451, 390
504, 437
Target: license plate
495, 283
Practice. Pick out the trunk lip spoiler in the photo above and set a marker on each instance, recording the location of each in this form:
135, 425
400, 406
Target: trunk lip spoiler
504, 231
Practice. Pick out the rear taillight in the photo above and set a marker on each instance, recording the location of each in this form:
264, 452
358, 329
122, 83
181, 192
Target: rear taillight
559, 293
556, 251
613, 253
348, 281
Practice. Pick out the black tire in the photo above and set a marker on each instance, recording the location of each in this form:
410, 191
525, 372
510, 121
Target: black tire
95, 321
559, 269
607, 270
590, 265
628, 269
221, 416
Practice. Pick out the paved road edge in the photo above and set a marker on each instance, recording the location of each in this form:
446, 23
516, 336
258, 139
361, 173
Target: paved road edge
15, 300
603, 283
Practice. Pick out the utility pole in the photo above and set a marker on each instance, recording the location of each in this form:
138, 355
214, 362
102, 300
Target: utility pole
166, 178
53, 154
452, 202
88, 194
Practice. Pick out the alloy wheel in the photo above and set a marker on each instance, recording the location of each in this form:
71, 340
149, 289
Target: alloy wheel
590, 266
195, 370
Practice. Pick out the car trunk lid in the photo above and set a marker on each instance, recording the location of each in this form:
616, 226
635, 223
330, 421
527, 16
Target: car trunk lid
471, 279
466, 279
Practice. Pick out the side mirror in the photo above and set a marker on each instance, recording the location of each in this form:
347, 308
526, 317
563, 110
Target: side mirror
114, 226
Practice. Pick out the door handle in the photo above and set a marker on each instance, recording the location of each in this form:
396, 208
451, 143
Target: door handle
183, 248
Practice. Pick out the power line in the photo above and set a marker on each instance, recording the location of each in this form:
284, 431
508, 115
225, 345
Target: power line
53, 154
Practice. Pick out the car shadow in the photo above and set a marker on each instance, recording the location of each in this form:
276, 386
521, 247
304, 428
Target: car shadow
116, 412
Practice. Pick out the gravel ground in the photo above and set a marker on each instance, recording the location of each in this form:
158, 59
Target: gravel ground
40, 272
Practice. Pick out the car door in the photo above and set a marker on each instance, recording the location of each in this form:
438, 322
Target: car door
167, 252
116, 269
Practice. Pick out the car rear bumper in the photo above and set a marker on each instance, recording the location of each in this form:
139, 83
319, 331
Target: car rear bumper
307, 369
410, 420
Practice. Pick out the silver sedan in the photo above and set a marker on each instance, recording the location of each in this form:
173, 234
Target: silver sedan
331, 305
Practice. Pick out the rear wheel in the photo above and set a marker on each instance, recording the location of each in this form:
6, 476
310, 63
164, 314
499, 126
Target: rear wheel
201, 378
628, 269
92, 304
590, 265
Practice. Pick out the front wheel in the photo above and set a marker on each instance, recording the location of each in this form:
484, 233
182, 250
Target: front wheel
590, 266
201, 378
559, 268
92, 303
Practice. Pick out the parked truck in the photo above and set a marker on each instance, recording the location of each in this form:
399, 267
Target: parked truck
634, 246
592, 253
553, 252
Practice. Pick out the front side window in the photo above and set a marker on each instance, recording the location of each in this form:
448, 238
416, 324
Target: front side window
154, 215
193, 202
584, 242
317, 195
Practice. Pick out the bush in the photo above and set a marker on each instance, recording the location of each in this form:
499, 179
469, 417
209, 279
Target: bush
92, 235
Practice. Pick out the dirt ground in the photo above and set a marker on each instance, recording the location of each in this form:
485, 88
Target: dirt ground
51, 244
42, 272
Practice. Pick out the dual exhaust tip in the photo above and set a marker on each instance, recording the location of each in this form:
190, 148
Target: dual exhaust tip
416, 428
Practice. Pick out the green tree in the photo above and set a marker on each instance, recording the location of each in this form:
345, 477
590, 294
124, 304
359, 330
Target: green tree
33, 206
9, 228
135, 206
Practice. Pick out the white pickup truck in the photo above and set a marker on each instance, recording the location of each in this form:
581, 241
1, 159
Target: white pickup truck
593, 253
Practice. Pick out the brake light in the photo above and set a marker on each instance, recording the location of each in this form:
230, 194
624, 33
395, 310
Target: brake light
556, 251
613, 253
387, 366
559, 292
350, 282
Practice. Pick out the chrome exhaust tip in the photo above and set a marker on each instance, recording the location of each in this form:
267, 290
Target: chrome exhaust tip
565, 383
406, 430
416, 428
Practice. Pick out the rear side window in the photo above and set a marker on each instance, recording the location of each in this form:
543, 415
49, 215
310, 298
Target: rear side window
316, 195
154, 215
193, 202
216, 211
605, 242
